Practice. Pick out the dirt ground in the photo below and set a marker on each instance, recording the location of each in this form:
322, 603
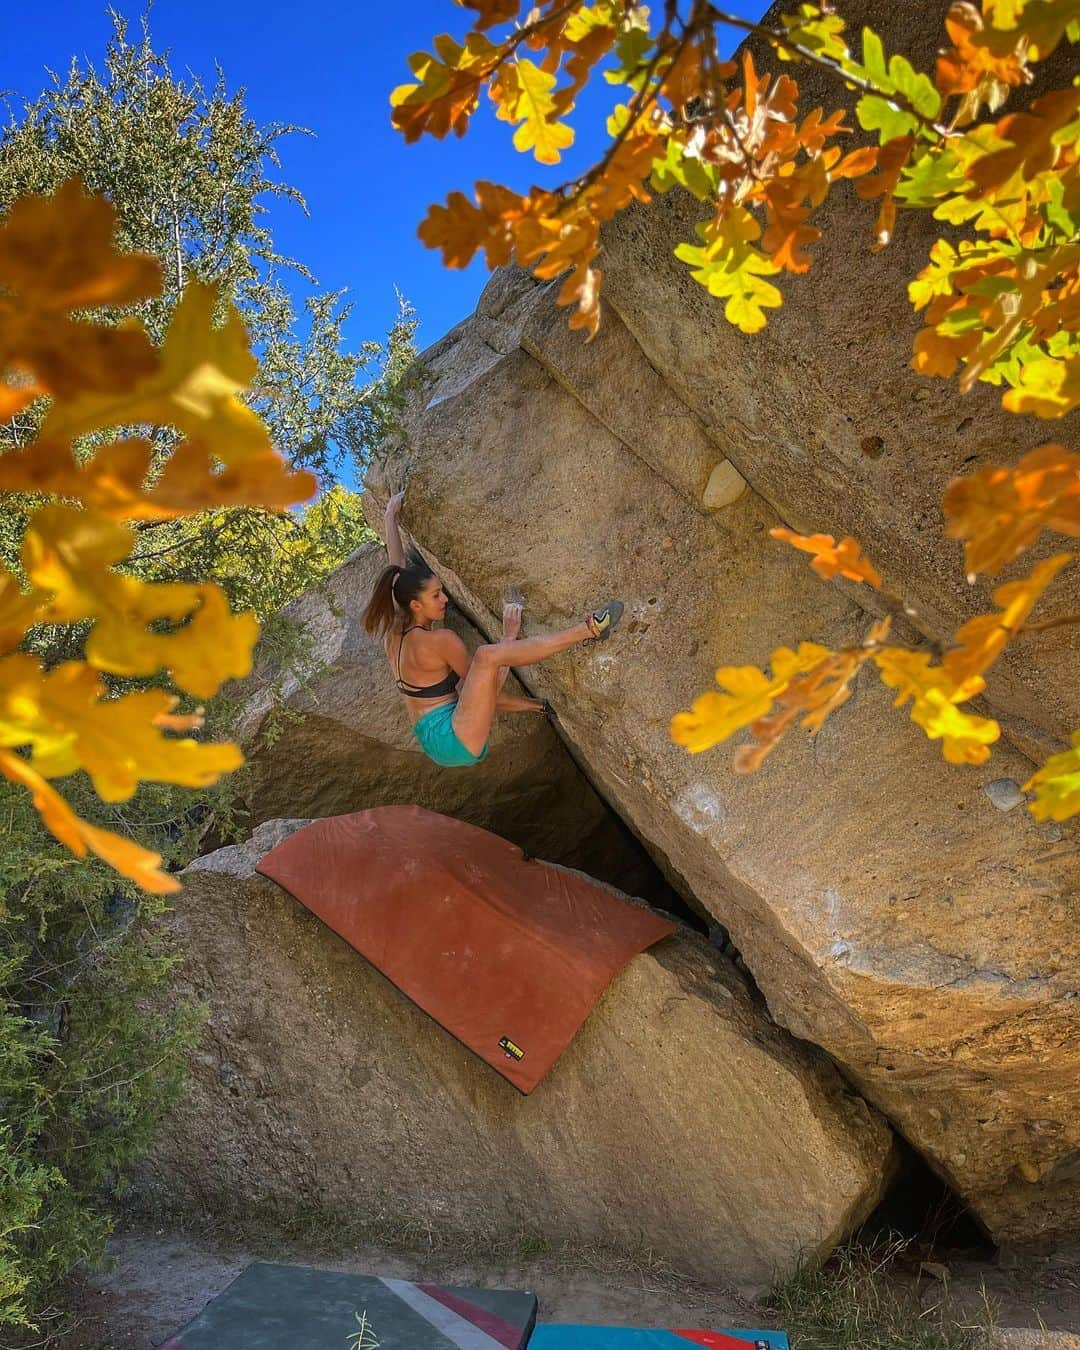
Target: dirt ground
159, 1280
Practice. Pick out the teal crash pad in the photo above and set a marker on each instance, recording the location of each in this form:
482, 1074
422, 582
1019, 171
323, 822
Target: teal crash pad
271, 1307
555, 1336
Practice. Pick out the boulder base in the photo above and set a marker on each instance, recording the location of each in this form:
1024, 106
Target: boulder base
678, 1119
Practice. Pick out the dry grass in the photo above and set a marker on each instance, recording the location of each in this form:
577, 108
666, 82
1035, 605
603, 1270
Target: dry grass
856, 1303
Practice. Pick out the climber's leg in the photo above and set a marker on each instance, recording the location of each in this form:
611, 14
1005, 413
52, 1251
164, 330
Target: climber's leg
515, 703
479, 692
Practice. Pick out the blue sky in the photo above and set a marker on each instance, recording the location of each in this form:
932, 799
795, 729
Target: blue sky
328, 65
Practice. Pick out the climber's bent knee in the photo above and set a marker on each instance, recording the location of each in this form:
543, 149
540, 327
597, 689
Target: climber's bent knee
489, 655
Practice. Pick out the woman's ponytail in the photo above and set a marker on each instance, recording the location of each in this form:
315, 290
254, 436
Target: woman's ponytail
396, 586
379, 615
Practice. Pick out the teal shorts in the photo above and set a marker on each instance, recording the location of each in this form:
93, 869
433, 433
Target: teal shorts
435, 732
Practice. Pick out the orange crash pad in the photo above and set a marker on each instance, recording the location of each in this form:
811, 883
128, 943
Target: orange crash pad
507, 953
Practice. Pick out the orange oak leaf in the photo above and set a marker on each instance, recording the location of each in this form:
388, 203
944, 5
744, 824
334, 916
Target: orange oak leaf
492, 12
892, 158
113, 480
448, 88
983, 639
1001, 511
831, 559
1031, 141
128, 858
461, 227
14, 398
973, 67
811, 696
57, 257
745, 694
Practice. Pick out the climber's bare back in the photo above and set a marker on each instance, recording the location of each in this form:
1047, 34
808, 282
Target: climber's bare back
422, 663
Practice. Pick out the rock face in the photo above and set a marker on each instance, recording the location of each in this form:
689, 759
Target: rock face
822, 412
679, 1118
353, 749
921, 929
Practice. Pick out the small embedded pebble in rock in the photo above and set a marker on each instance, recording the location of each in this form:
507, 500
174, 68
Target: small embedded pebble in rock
1005, 793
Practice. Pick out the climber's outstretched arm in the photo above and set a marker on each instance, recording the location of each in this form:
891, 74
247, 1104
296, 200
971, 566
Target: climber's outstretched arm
394, 547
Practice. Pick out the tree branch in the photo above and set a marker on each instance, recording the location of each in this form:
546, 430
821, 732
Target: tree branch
1062, 621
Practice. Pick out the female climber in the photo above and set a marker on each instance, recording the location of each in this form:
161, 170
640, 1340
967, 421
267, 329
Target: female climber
452, 697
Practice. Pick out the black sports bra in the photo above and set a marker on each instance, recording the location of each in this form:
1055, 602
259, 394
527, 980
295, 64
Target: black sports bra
447, 685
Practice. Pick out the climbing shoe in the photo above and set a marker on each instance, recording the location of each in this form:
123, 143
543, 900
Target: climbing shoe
602, 621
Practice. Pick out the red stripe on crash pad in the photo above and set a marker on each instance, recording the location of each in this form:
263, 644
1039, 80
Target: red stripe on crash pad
713, 1340
508, 955
488, 1322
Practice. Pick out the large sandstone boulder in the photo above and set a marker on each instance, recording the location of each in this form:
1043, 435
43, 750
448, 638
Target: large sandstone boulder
352, 747
908, 916
822, 412
679, 1118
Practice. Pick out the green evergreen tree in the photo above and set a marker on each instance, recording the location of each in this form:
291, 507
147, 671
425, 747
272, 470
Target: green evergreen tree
91, 1043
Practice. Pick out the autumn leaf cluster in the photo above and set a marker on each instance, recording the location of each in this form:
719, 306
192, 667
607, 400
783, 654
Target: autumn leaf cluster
998, 512
63, 334
1002, 306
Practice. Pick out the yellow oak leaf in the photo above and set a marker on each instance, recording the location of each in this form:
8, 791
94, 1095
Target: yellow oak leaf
748, 693
19, 610
213, 645
1057, 785
729, 266
128, 858
1047, 387
831, 559
983, 639
936, 278
965, 738
1001, 511
71, 555
117, 741
447, 91
935, 691
913, 675
522, 92
202, 369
